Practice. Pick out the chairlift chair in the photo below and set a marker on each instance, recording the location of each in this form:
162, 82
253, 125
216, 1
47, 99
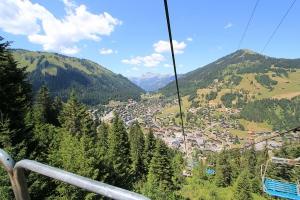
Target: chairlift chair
280, 188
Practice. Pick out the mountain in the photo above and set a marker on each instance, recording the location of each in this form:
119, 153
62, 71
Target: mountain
152, 81
93, 83
244, 69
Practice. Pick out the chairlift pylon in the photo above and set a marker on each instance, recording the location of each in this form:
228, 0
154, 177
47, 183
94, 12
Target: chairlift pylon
278, 188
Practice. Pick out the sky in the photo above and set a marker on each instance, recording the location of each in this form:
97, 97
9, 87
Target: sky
131, 37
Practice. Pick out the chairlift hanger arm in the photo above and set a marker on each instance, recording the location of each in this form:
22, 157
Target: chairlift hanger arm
294, 162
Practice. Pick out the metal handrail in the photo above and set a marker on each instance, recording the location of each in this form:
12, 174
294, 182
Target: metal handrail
18, 181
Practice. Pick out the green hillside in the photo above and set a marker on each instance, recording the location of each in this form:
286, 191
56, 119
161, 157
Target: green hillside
243, 69
93, 83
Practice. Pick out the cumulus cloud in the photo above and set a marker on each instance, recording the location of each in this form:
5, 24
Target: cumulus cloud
167, 65
164, 47
229, 25
108, 51
22, 17
148, 61
181, 65
189, 39
136, 69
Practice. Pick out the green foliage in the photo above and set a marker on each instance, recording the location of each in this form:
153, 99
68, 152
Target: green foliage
235, 79
195, 104
251, 161
223, 170
119, 155
236, 140
242, 187
137, 146
192, 97
211, 96
227, 99
75, 119
150, 144
159, 178
265, 81
15, 103
267, 110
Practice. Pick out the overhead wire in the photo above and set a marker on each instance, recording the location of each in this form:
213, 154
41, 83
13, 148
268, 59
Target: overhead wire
248, 24
174, 66
278, 26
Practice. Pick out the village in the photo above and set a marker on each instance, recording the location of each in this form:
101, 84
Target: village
206, 129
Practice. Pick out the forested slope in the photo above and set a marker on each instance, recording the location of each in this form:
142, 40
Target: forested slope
61, 74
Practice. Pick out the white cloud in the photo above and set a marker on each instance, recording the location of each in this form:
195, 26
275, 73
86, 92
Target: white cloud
69, 3
189, 39
219, 47
127, 70
136, 69
108, 51
167, 65
116, 52
164, 47
228, 25
22, 17
148, 61
181, 65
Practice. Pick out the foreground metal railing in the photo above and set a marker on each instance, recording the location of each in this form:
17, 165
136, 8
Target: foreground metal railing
17, 178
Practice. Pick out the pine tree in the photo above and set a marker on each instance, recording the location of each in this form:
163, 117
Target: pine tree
119, 155
236, 162
150, 144
77, 152
15, 95
15, 104
251, 161
177, 168
57, 106
42, 109
160, 171
75, 119
223, 170
137, 143
242, 188
76, 155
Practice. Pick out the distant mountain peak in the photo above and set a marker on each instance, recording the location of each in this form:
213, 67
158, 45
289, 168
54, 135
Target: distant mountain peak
152, 81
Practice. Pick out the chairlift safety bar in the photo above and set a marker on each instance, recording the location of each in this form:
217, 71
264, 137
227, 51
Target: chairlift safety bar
20, 189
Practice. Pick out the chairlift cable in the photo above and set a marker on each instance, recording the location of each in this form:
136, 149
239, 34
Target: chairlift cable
248, 24
174, 66
278, 26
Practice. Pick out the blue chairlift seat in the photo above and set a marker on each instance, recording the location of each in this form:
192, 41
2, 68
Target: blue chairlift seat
281, 189
210, 171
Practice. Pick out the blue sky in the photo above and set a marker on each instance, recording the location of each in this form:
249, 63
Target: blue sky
131, 37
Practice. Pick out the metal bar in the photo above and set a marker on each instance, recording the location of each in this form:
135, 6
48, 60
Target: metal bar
78, 181
17, 180
294, 162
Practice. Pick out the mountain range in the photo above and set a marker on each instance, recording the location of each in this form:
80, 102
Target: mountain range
92, 83
152, 81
